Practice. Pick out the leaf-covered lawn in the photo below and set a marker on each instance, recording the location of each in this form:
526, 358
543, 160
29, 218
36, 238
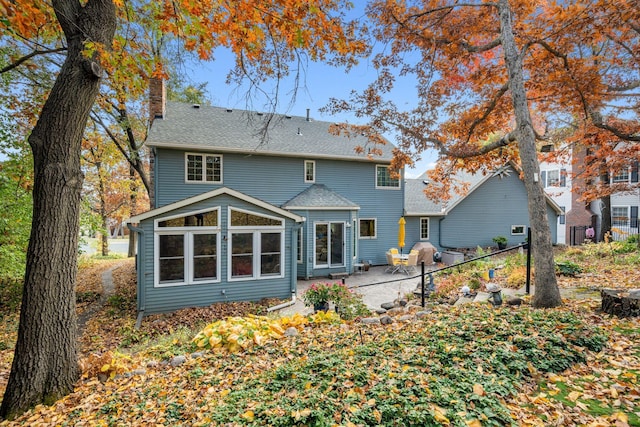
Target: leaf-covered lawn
468, 366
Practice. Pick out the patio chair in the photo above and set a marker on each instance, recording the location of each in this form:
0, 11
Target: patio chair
394, 251
394, 264
410, 263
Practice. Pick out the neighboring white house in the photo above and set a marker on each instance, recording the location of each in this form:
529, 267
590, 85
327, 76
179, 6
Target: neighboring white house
556, 178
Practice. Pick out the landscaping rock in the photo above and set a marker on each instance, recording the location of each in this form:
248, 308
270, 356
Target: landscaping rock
177, 361
463, 300
291, 332
387, 305
139, 371
380, 311
395, 311
423, 314
197, 355
370, 320
152, 364
406, 318
386, 320
514, 301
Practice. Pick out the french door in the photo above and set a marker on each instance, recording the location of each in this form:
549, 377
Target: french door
329, 244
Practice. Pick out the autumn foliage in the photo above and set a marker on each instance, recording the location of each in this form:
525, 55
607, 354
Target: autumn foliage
581, 72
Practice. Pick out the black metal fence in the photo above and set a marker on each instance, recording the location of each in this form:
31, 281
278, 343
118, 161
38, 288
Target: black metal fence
427, 288
577, 234
619, 231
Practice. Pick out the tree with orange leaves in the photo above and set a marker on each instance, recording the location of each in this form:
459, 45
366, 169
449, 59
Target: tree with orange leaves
265, 36
487, 73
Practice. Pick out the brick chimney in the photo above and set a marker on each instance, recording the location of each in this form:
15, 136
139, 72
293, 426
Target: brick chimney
157, 98
157, 109
580, 213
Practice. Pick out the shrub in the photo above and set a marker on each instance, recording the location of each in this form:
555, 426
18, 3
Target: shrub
568, 268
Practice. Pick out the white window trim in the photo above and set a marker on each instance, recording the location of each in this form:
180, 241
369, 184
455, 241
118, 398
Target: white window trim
356, 235
300, 253
313, 162
628, 214
344, 258
204, 170
385, 187
375, 229
428, 228
188, 233
626, 180
524, 230
257, 254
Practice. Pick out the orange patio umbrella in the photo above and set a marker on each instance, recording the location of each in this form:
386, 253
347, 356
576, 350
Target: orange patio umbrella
401, 233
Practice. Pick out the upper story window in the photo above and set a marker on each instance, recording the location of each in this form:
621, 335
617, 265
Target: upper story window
554, 178
203, 167
309, 171
622, 176
384, 179
628, 174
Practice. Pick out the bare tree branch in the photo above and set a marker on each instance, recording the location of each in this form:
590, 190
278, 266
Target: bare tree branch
27, 57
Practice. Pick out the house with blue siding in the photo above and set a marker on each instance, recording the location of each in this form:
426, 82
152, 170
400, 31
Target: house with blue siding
236, 216
494, 205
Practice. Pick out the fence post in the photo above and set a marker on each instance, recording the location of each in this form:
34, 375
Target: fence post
529, 244
422, 282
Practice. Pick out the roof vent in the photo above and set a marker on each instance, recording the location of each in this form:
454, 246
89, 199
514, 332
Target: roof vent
287, 117
259, 113
308, 116
229, 110
196, 106
299, 133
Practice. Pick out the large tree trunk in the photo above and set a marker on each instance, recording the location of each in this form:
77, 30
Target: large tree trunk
547, 293
45, 363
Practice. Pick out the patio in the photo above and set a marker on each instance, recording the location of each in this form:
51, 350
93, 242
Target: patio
373, 296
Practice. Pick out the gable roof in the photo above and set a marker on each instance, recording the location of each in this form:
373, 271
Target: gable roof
416, 203
210, 194
319, 196
224, 130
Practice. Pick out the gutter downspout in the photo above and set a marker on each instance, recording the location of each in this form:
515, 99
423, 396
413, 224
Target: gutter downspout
294, 271
140, 275
284, 304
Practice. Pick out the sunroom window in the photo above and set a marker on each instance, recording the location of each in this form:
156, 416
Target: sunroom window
257, 243
187, 248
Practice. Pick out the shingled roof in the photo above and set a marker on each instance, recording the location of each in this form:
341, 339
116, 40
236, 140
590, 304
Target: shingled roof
190, 127
319, 196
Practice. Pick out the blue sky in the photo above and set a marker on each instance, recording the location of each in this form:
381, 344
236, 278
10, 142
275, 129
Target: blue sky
322, 83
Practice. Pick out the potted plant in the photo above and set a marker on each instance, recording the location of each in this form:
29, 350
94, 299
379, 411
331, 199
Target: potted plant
501, 241
318, 296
